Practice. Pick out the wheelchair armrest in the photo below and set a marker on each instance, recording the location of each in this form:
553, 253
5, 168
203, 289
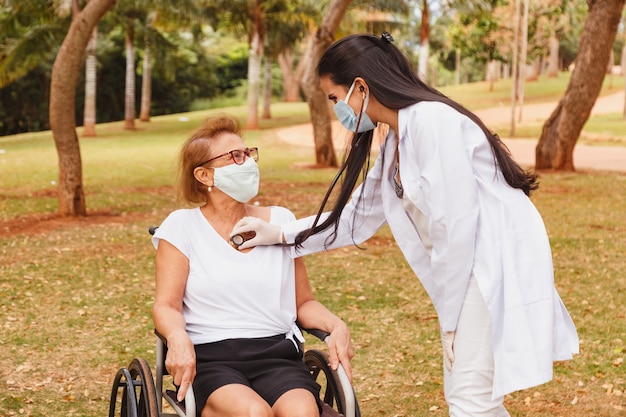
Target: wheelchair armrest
320, 334
160, 336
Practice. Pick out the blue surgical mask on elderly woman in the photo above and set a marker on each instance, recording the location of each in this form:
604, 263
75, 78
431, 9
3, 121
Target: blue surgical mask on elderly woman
348, 118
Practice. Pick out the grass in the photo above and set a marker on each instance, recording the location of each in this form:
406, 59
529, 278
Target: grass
76, 294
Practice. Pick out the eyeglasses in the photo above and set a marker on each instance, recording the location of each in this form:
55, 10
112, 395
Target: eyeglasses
238, 155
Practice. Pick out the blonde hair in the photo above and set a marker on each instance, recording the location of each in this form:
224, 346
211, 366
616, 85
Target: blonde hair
196, 150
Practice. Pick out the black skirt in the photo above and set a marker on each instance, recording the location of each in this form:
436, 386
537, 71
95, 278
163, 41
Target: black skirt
270, 366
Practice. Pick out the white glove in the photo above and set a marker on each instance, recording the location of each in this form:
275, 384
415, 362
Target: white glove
447, 341
266, 234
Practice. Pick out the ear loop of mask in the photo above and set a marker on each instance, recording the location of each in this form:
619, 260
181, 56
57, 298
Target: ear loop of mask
358, 122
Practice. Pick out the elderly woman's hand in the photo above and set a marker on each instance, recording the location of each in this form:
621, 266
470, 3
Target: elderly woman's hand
181, 362
340, 348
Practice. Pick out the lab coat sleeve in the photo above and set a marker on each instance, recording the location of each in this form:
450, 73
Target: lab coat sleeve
360, 219
447, 193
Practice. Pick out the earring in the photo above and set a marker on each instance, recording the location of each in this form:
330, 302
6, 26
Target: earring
210, 188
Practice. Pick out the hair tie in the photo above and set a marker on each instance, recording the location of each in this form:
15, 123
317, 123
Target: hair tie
385, 36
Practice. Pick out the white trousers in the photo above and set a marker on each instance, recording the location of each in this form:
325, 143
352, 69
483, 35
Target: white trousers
469, 384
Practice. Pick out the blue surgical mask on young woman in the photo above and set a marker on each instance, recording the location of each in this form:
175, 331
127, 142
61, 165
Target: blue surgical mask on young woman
241, 182
348, 118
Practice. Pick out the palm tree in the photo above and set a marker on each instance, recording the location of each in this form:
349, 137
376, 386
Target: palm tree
146, 79
129, 95
287, 24
89, 118
257, 39
134, 16
424, 39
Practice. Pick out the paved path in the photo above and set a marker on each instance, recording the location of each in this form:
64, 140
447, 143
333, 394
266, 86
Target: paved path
586, 157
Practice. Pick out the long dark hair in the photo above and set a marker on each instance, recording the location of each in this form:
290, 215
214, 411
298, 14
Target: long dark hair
395, 84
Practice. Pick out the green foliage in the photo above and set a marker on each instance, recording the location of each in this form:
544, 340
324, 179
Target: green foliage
183, 69
187, 73
233, 68
22, 108
30, 32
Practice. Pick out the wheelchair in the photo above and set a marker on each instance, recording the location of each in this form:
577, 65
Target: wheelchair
142, 395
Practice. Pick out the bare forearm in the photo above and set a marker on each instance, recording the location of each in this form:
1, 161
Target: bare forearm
313, 315
169, 322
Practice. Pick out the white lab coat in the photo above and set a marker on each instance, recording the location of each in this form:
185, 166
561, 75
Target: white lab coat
477, 224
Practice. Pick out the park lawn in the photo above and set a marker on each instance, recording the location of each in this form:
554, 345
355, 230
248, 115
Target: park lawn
76, 294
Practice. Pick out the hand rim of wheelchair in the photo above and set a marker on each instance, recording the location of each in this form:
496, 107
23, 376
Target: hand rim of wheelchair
335, 395
186, 408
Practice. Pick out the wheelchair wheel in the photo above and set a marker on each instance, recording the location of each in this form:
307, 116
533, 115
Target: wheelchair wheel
331, 391
138, 393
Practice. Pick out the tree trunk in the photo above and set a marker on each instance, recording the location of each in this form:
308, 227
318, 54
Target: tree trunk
291, 78
623, 65
555, 150
267, 89
129, 92
515, 67
315, 97
553, 65
64, 76
492, 73
89, 117
146, 80
523, 64
254, 83
257, 38
457, 66
422, 64
146, 85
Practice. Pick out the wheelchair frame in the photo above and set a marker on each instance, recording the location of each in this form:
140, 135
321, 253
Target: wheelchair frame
142, 395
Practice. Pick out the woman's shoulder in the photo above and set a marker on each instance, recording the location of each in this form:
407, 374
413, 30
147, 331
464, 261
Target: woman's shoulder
281, 215
272, 214
428, 115
428, 109
182, 215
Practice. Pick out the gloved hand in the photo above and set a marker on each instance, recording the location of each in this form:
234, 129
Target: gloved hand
447, 341
266, 233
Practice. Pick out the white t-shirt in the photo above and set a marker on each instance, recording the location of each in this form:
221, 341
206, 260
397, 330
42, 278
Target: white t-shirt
232, 294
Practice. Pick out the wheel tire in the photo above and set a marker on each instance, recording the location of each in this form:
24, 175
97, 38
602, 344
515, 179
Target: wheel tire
144, 383
331, 392
138, 393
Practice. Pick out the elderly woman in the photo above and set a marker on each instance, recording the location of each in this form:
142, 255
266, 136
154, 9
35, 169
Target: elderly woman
229, 316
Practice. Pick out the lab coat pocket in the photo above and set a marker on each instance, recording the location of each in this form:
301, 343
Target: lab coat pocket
528, 331
527, 272
527, 292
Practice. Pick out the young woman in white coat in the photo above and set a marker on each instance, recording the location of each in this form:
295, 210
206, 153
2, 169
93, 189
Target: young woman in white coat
458, 206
